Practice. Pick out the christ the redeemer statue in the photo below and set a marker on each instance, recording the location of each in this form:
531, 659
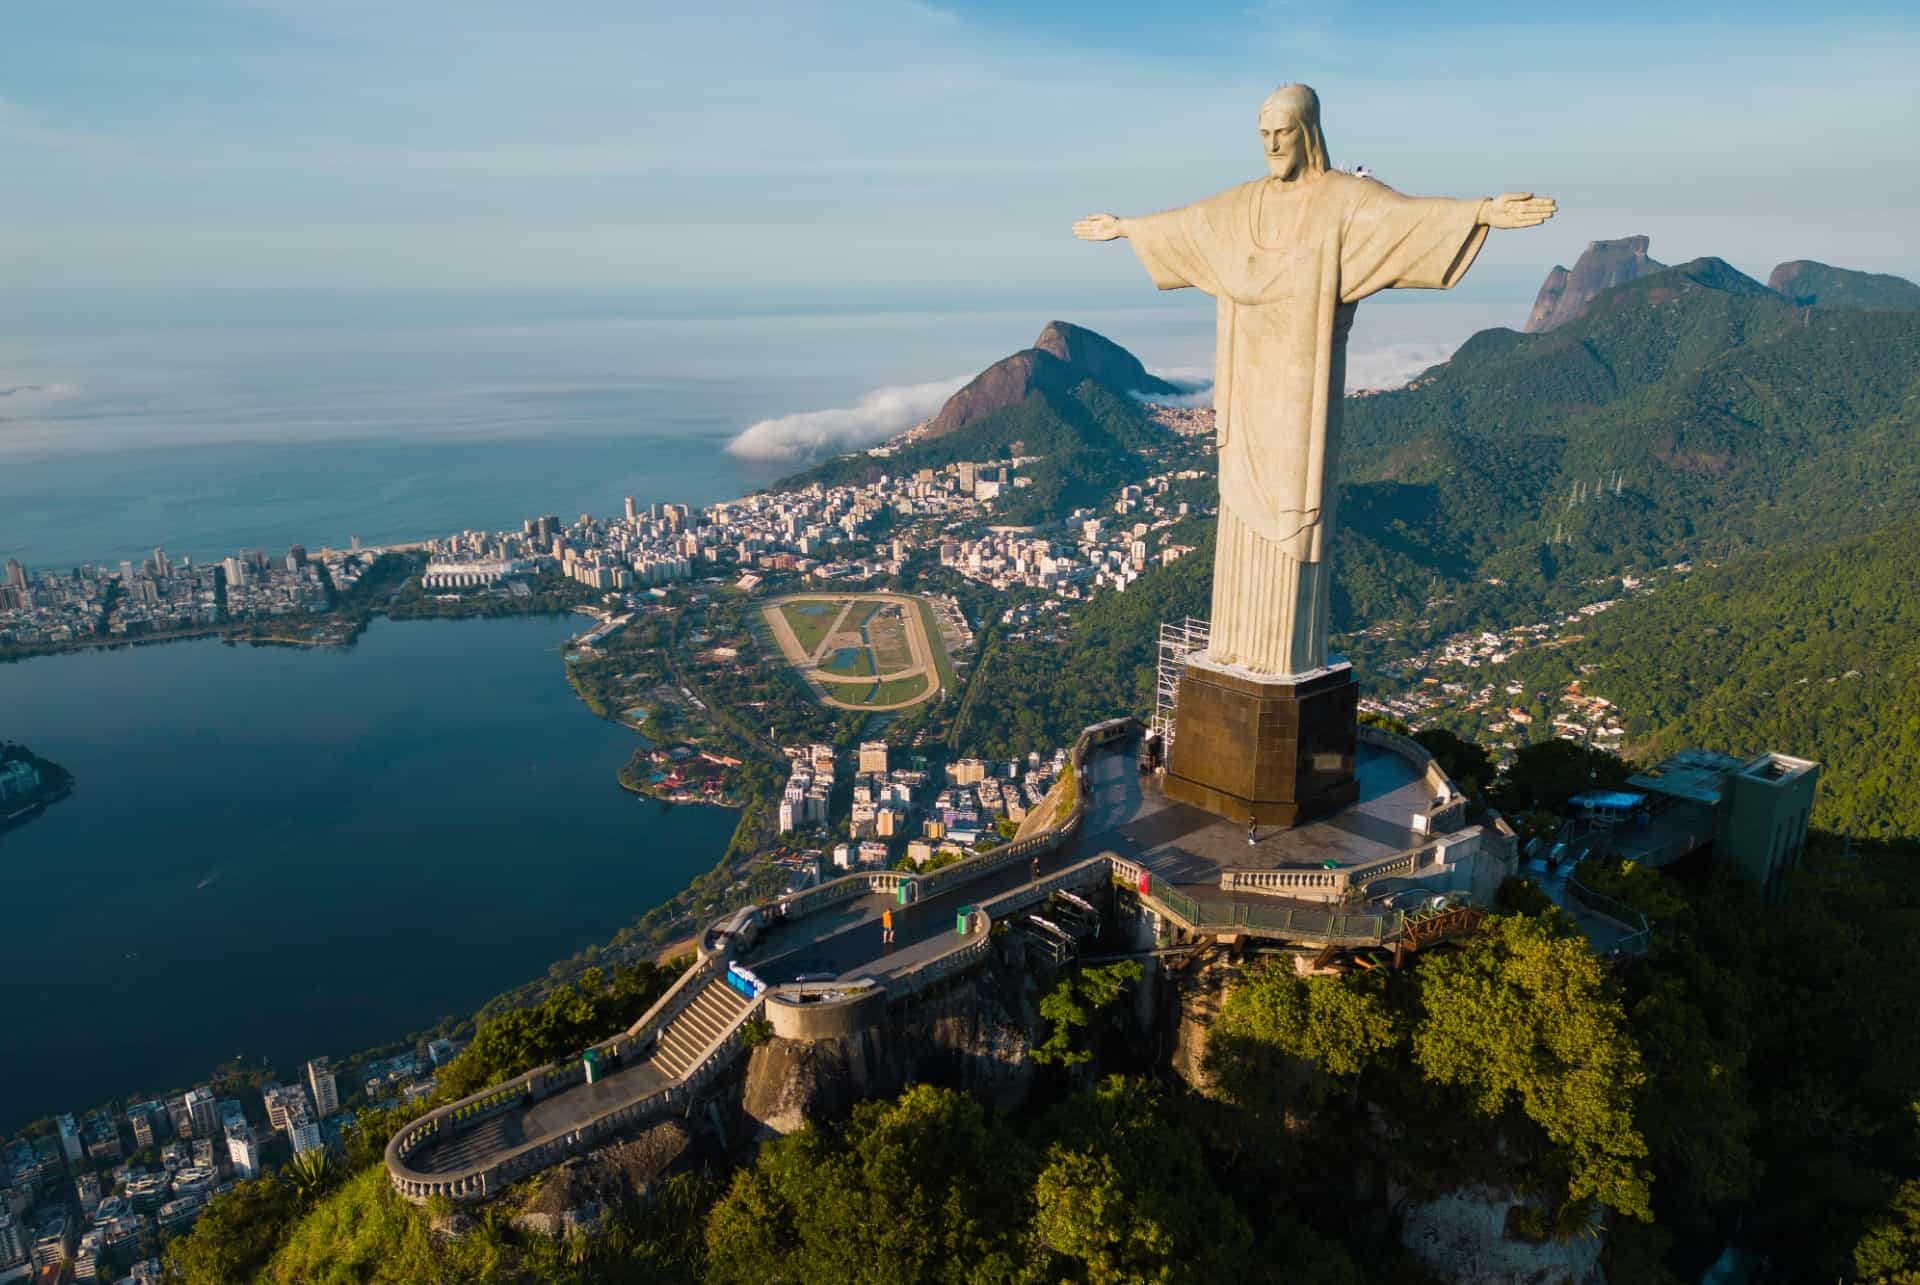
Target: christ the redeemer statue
1288, 257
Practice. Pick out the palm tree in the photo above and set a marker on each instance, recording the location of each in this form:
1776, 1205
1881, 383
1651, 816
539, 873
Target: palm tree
312, 1173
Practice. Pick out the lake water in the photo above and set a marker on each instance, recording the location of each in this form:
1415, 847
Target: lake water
279, 853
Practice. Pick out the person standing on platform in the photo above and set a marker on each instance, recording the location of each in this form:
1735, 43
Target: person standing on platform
886, 928
1253, 830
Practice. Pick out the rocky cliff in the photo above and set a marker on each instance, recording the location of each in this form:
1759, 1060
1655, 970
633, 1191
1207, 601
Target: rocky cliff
1063, 356
1806, 283
975, 1036
1566, 293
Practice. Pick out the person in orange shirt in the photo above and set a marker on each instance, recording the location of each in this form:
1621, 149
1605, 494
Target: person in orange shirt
886, 928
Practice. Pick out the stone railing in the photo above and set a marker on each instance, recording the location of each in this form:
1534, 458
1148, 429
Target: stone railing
1329, 926
721, 943
1318, 884
1436, 818
967, 952
490, 1176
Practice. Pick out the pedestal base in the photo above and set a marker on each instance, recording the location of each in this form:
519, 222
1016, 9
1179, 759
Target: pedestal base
1275, 749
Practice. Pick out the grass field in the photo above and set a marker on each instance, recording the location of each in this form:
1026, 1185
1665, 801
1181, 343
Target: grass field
942, 662
891, 693
891, 650
810, 621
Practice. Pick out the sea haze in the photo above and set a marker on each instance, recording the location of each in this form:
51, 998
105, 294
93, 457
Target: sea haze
279, 852
223, 420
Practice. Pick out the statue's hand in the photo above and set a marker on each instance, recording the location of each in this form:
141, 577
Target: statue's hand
1516, 210
1099, 227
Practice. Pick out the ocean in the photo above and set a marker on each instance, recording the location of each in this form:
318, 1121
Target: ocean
210, 422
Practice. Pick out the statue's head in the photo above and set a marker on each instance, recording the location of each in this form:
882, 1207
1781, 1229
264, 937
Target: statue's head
1290, 133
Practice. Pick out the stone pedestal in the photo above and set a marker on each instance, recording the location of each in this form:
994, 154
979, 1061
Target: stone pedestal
1276, 749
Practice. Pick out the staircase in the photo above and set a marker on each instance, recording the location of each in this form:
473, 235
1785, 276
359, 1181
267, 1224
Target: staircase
713, 1013
456, 1152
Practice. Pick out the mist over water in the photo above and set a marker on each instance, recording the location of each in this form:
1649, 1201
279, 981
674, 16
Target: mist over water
215, 421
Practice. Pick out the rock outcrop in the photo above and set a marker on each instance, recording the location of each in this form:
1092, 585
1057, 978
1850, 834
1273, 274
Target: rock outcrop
573, 1196
1468, 1236
1807, 283
975, 1036
1063, 356
1566, 293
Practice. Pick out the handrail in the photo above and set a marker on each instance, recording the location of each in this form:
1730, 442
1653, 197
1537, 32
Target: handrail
720, 944
1637, 939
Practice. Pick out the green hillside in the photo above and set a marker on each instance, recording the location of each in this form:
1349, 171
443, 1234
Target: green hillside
1815, 653
1690, 412
1808, 283
1089, 436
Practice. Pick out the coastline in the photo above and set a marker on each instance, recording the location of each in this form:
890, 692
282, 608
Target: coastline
667, 910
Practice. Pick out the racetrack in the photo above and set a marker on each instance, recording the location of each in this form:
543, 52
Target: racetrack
850, 667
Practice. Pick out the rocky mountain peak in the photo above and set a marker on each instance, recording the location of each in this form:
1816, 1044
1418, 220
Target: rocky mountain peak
1566, 293
1063, 356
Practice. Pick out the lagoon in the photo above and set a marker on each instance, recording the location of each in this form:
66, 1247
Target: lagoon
280, 852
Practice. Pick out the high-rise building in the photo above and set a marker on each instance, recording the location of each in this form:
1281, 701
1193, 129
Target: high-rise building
303, 1131
630, 511
873, 756
149, 1122
296, 557
70, 1143
17, 574
326, 1095
203, 1113
161, 567
13, 1240
243, 1152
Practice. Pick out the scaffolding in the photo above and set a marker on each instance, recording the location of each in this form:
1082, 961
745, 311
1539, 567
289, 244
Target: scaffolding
1177, 642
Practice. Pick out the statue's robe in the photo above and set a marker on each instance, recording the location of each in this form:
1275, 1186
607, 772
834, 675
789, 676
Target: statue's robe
1288, 265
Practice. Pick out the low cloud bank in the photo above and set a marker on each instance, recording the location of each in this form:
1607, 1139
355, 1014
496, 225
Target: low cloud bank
872, 420
1194, 382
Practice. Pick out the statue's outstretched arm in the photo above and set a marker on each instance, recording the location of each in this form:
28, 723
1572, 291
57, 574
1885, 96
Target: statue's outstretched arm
1515, 210
1100, 227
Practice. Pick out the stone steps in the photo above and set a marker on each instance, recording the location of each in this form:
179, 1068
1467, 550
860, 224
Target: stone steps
713, 1013
469, 1147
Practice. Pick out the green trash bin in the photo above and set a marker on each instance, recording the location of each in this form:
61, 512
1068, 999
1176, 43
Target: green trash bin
900, 893
591, 1060
961, 919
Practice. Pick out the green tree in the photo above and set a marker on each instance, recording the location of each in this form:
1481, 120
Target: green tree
913, 1190
236, 1236
1889, 1252
1074, 1003
1525, 1018
1124, 1195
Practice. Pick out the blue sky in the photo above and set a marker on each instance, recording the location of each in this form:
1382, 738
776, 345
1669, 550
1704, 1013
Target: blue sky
868, 144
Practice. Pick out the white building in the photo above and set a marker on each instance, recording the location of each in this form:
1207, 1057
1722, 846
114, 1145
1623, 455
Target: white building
326, 1095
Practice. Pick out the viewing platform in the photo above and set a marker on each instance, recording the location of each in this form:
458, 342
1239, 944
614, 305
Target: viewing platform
818, 962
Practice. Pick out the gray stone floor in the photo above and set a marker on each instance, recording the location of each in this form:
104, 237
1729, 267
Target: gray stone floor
1190, 848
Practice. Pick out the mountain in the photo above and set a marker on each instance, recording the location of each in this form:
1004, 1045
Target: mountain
1067, 403
1063, 356
1565, 294
1804, 282
1690, 413
1689, 410
1814, 652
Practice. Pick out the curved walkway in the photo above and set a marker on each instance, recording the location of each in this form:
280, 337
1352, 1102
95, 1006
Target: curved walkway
471, 1149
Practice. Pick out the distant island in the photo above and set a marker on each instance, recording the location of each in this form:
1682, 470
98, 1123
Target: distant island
28, 783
